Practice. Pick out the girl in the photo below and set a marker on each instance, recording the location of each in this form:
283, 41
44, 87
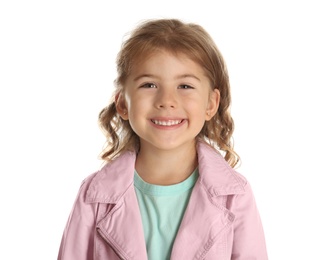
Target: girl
166, 192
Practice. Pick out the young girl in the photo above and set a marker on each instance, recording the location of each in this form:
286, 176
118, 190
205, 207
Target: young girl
166, 192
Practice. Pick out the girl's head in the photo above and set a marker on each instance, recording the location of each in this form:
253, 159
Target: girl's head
175, 37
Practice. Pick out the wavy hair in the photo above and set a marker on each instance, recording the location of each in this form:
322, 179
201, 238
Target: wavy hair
177, 37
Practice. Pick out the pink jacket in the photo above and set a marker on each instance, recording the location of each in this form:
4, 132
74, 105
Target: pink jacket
221, 220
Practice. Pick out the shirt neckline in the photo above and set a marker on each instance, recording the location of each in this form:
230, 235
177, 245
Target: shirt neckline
165, 190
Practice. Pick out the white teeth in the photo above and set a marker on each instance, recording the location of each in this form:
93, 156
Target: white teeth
167, 123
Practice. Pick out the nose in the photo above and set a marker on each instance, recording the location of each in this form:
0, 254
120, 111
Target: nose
166, 98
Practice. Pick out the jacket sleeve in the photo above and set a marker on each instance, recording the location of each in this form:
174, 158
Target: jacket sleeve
249, 240
78, 237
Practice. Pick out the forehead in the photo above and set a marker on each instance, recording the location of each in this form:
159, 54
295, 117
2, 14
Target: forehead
165, 57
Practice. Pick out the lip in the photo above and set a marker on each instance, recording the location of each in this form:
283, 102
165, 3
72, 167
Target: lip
167, 123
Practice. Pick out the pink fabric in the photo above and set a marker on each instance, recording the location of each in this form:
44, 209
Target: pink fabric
220, 222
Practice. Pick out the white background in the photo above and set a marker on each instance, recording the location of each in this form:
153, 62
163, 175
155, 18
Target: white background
56, 74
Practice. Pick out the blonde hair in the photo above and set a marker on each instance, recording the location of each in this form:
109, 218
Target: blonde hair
177, 37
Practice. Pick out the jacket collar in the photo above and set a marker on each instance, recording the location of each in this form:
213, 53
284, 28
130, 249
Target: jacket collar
114, 184
216, 174
111, 182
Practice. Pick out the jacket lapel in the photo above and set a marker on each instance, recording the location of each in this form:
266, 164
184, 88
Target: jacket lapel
200, 227
122, 228
206, 216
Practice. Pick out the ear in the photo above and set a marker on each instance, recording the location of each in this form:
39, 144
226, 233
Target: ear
121, 107
213, 104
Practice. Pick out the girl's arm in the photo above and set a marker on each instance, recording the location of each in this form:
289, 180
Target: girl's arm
78, 237
249, 240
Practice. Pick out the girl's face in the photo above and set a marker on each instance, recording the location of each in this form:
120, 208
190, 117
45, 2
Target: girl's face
167, 99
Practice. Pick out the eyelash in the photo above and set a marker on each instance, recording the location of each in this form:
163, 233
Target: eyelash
184, 86
150, 85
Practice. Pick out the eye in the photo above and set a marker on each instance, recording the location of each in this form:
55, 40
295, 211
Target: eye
185, 87
149, 85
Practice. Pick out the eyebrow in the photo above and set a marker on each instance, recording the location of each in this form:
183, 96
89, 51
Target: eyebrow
183, 76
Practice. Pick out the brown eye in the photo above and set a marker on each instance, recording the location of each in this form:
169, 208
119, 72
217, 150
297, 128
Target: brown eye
149, 85
185, 87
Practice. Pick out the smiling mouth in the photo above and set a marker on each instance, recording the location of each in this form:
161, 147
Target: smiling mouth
167, 122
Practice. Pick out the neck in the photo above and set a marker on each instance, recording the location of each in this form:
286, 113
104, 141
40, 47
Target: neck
166, 167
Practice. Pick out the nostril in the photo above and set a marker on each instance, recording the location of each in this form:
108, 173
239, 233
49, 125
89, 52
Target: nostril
165, 105
166, 100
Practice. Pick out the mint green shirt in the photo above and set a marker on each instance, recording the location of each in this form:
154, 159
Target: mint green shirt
162, 209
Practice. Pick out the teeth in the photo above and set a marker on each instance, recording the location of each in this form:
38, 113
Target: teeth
167, 123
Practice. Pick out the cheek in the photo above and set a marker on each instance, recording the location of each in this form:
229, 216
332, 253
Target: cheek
131, 101
126, 101
199, 103
137, 105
